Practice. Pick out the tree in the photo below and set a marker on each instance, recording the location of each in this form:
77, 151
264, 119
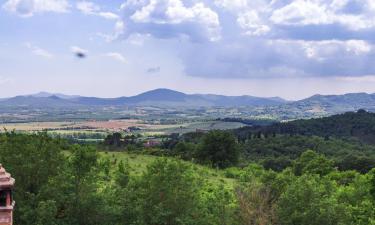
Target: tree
167, 193
313, 163
113, 139
218, 148
218, 205
46, 213
32, 160
311, 200
185, 150
355, 196
86, 204
362, 164
372, 183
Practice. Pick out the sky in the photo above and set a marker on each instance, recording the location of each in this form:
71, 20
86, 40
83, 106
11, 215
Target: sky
287, 48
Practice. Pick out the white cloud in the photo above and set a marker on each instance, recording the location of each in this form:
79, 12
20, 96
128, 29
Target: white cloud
39, 51
331, 48
171, 18
27, 8
324, 12
279, 58
233, 5
118, 32
358, 47
326, 49
283, 37
360, 79
252, 24
90, 8
302, 12
108, 15
119, 28
76, 49
87, 7
116, 56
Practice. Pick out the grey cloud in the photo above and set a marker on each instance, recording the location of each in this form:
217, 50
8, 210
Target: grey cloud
263, 38
264, 58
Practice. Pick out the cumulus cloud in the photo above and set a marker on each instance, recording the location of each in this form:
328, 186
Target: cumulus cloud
252, 24
322, 50
171, 18
301, 12
260, 38
279, 58
87, 7
352, 14
90, 8
116, 56
39, 51
27, 8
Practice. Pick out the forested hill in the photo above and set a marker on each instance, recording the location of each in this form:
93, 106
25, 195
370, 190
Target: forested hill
358, 125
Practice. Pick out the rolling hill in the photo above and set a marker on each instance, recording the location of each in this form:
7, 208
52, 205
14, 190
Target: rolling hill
358, 125
337, 103
158, 97
274, 107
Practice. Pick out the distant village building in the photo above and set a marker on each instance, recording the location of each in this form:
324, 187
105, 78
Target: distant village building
6, 198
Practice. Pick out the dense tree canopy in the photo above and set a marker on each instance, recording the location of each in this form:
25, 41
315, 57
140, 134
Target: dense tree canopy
219, 148
357, 125
63, 184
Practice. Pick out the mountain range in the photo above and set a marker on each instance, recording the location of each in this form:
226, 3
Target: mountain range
169, 98
158, 97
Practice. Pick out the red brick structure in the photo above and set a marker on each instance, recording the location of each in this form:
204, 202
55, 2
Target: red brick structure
6, 199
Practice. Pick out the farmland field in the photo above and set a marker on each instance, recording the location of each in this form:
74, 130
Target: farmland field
109, 126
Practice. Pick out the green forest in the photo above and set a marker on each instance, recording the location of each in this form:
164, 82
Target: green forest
255, 176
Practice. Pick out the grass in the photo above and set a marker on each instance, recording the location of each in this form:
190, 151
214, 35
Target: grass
138, 164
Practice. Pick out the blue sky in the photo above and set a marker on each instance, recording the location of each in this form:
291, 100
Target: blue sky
287, 48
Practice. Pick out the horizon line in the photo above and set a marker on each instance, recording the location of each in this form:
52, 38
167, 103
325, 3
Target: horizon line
77, 95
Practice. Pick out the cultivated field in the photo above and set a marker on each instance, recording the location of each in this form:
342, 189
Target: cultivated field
92, 126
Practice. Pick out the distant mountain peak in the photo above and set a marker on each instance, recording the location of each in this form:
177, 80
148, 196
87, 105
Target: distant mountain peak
44, 94
162, 91
54, 97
